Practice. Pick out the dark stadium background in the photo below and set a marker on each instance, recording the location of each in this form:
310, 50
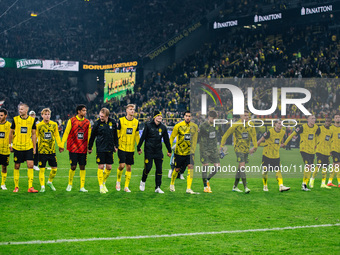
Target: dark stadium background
168, 42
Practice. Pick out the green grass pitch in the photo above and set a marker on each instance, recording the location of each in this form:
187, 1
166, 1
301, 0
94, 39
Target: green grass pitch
74, 215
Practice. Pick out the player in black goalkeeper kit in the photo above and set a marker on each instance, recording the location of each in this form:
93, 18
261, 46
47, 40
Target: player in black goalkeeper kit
105, 131
153, 133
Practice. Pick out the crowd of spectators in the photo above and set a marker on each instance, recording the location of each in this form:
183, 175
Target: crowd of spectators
110, 30
309, 51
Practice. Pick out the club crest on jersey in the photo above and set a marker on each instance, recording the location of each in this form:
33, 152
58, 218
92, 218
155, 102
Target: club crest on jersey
2, 134
212, 135
23, 130
277, 141
129, 131
186, 137
80, 136
244, 135
160, 131
310, 137
327, 138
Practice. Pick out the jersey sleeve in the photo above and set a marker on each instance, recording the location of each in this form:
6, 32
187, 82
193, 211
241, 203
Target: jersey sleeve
66, 133
173, 134
13, 124
227, 134
194, 141
137, 138
56, 135
266, 135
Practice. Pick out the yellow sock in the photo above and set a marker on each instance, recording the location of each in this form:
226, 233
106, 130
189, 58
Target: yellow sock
30, 175
306, 175
190, 178
16, 174
70, 176
82, 178
119, 175
279, 178
106, 175
173, 177
100, 176
52, 174
127, 178
315, 172
42, 176
265, 178
3, 178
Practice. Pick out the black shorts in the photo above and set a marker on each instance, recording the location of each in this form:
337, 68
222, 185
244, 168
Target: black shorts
104, 158
22, 156
4, 160
336, 157
80, 158
308, 159
322, 159
183, 161
126, 157
270, 164
50, 158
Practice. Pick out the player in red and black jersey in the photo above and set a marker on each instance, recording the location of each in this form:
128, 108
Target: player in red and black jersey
77, 135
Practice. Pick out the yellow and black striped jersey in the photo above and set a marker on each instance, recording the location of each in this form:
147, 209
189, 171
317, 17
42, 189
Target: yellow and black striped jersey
307, 137
47, 134
186, 134
335, 142
243, 134
4, 136
323, 141
128, 134
22, 137
273, 142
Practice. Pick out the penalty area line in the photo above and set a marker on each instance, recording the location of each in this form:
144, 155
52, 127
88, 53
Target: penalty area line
167, 235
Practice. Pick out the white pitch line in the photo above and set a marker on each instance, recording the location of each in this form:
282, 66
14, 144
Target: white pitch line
166, 236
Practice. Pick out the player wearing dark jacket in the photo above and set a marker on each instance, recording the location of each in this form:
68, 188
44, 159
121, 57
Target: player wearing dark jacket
153, 133
105, 132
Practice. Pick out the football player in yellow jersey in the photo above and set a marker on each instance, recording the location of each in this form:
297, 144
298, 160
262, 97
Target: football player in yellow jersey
186, 133
335, 150
243, 134
23, 135
323, 150
307, 133
5, 127
128, 137
271, 154
47, 134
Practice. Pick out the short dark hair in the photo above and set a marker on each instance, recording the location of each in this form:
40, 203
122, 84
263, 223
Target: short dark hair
4, 111
212, 114
186, 112
80, 107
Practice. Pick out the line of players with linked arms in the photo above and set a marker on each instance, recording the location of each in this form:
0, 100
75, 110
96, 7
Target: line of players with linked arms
21, 135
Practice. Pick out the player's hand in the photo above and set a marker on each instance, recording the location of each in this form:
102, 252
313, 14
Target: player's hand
61, 150
252, 150
34, 150
89, 151
11, 148
169, 154
282, 145
115, 149
139, 152
222, 154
